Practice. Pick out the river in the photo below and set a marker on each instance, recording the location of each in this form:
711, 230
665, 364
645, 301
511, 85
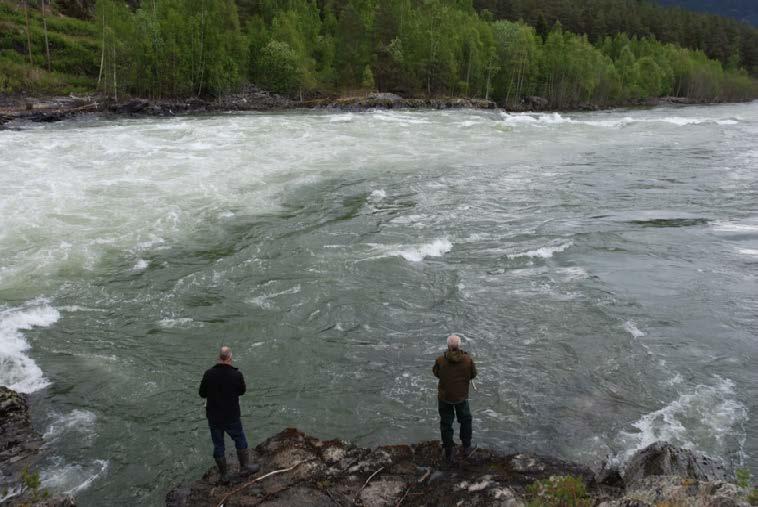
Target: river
601, 268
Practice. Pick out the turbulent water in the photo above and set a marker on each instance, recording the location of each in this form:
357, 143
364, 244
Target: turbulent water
601, 268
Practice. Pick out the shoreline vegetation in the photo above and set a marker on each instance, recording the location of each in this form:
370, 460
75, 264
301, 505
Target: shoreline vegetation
569, 55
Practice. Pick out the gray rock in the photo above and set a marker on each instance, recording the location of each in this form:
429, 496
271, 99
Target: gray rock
663, 459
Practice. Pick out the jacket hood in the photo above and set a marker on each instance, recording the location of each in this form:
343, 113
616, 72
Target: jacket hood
455, 356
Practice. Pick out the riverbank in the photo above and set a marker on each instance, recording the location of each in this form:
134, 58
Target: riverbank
52, 109
301, 470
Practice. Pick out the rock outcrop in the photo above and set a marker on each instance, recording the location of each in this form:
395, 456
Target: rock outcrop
19, 443
311, 472
19, 451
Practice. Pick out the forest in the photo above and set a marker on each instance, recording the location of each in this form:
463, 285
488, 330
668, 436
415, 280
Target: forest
570, 52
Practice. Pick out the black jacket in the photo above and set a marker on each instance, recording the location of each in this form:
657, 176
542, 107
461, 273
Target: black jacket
222, 386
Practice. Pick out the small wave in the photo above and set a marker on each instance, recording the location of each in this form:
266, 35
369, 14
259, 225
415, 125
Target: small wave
79, 421
177, 322
341, 118
544, 252
17, 370
73, 479
748, 251
377, 195
735, 227
141, 265
436, 248
703, 419
264, 300
530, 118
631, 328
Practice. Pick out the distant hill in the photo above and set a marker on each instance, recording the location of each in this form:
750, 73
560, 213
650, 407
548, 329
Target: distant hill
744, 10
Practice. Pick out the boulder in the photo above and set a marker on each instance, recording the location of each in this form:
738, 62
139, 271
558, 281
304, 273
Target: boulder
663, 459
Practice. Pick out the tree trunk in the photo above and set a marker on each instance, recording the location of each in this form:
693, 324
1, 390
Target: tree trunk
28, 32
102, 56
47, 43
115, 84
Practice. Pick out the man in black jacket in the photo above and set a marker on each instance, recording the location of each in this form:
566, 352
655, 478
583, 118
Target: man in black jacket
222, 386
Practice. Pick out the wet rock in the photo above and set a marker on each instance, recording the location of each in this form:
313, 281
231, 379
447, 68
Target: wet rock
663, 459
306, 471
535, 103
19, 450
19, 443
385, 96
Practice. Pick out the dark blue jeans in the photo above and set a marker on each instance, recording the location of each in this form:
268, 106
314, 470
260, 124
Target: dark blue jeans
233, 429
448, 413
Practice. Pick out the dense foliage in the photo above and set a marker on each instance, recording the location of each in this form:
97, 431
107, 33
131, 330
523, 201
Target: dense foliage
733, 43
745, 10
304, 48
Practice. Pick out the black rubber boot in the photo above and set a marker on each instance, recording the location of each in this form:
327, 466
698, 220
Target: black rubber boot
223, 471
246, 468
449, 455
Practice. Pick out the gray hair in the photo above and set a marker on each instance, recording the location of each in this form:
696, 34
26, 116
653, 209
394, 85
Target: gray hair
453, 342
225, 353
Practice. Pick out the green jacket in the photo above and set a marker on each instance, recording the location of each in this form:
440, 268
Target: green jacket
455, 369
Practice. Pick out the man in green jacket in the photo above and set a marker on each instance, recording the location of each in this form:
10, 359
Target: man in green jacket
455, 369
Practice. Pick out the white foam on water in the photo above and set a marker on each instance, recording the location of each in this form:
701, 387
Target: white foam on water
748, 251
572, 273
176, 322
418, 253
264, 300
341, 118
538, 119
73, 479
17, 370
735, 227
141, 265
631, 328
377, 195
77, 421
10, 493
702, 419
544, 252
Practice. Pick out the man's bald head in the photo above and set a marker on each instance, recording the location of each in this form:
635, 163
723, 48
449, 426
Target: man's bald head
225, 355
453, 342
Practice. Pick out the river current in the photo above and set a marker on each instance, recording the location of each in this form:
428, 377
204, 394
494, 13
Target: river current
601, 267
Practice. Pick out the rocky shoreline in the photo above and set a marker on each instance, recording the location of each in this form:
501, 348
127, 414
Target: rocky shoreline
19, 109
301, 470
53, 109
20, 449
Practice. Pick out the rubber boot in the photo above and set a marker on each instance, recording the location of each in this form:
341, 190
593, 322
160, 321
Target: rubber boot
246, 468
449, 458
223, 471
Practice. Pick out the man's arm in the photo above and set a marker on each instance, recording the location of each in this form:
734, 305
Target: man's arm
473, 370
436, 369
242, 387
203, 391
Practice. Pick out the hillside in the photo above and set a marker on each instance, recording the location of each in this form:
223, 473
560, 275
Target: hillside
743, 10
74, 50
566, 53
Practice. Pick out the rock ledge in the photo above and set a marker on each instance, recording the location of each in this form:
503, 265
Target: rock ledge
335, 472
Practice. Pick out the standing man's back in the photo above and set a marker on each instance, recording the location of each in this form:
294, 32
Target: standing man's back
455, 369
222, 385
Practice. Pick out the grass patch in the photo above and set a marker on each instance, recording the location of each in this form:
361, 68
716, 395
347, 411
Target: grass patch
559, 491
